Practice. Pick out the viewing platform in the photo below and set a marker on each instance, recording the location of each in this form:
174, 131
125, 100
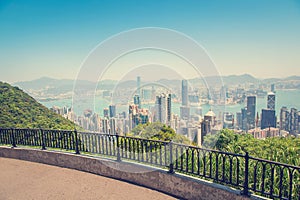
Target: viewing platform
185, 172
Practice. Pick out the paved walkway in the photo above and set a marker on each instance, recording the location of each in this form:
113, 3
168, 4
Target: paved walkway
27, 180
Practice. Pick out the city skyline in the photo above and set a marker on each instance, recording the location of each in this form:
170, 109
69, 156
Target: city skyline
52, 38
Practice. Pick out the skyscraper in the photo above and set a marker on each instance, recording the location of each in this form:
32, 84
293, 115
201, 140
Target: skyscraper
184, 93
112, 110
133, 116
185, 112
271, 101
273, 87
294, 125
207, 124
138, 85
144, 116
284, 118
184, 109
244, 118
251, 107
105, 112
137, 101
228, 120
239, 120
268, 118
163, 108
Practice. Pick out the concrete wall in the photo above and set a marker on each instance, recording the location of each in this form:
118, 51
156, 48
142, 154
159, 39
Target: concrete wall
177, 185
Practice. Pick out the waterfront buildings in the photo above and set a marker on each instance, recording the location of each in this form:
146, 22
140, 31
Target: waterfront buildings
188, 119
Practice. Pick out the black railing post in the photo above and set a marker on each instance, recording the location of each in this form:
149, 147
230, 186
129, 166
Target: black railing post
76, 142
118, 149
43, 139
171, 166
13, 138
246, 181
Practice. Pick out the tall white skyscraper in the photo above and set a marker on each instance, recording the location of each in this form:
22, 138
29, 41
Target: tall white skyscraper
163, 108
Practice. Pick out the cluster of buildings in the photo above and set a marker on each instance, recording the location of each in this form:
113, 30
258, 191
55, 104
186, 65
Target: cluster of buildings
190, 122
266, 123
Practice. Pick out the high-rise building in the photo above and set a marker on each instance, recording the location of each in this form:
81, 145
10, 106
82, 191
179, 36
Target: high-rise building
146, 94
268, 118
133, 109
138, 85
207, 124
273, 88
251, 107
137, 101
239, 120
138, 116
193, 98
143, 116
284, 119
112, 110
133, 116
294, 124
184, 92
244, 118
105, 112
185, 112
271, 101
163, 108
228, 120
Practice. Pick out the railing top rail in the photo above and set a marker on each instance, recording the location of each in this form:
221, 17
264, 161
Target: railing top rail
274, 162
210, 150
95, 133
150, 140
36, 129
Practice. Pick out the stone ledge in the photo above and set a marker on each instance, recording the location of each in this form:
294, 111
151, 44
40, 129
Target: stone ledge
178, 185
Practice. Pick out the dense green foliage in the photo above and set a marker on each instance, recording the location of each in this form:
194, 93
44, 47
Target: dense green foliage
19, 110
279, 149
158, 131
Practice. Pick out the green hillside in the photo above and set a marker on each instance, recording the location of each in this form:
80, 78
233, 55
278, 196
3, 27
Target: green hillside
19, 110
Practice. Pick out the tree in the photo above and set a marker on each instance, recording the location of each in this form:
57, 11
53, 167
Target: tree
158, 131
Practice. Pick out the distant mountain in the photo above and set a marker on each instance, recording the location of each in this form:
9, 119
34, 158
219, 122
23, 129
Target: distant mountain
127, 84
228, 80
296, 78
239, 79
19, 110
48, 87
44, 82
271, 80
170, 83
53, 86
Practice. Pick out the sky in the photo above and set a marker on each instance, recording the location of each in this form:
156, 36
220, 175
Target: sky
53, 37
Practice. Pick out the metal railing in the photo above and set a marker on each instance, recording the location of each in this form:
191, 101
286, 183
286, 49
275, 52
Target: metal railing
249, 174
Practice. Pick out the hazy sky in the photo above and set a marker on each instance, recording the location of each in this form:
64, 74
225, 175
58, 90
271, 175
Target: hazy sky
53, 37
